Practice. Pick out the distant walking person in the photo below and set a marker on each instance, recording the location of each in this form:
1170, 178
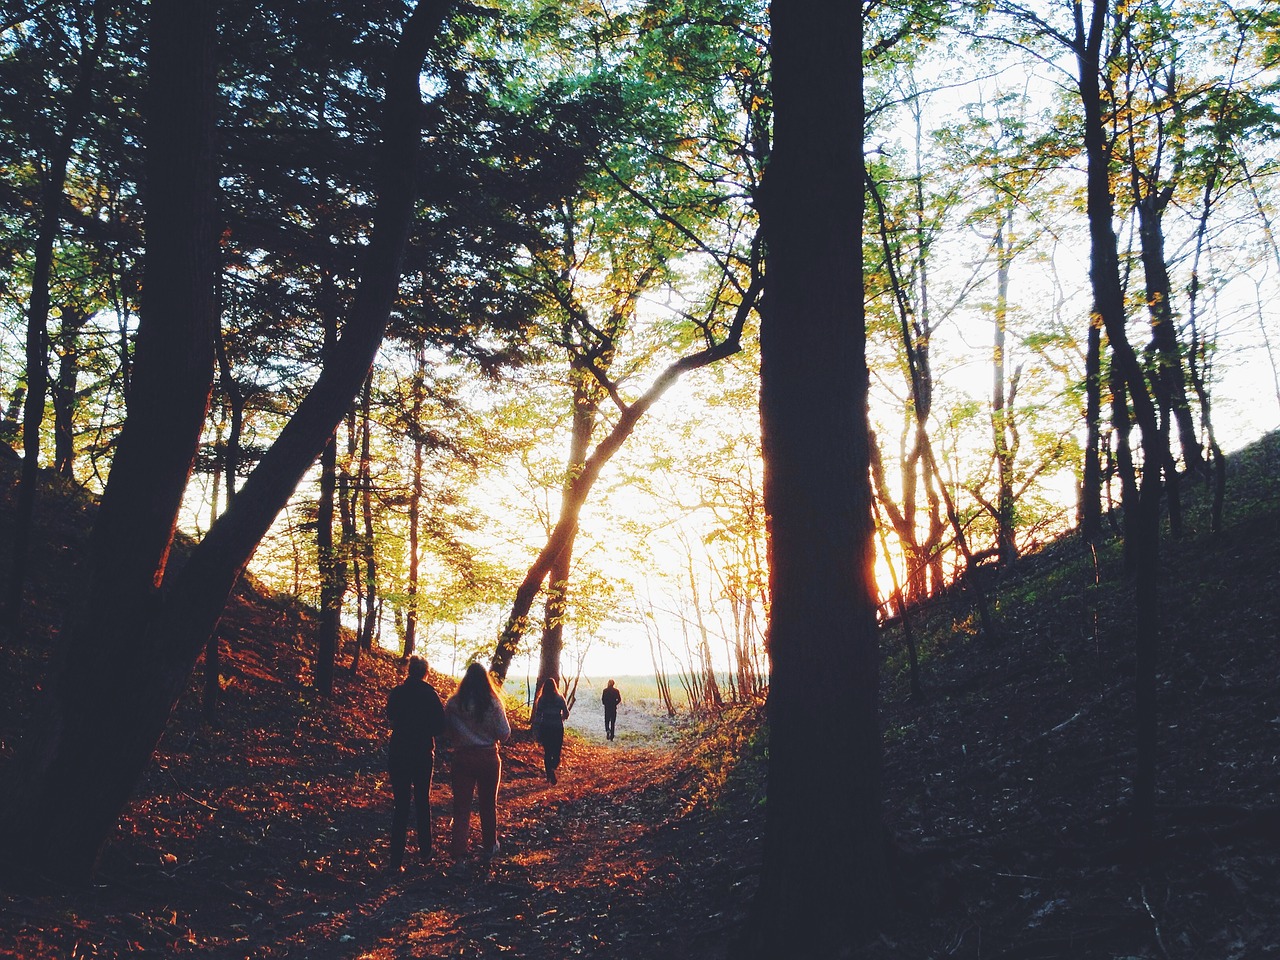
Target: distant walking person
611, 697
416, 716
476, 725
549, 714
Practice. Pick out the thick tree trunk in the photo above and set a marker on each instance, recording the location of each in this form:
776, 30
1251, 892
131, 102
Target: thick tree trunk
824, 879
129, 653
110, 693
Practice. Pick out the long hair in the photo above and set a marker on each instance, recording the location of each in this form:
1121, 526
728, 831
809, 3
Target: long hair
547, 688
475, 691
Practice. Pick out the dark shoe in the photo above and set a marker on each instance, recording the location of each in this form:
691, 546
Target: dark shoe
551, 775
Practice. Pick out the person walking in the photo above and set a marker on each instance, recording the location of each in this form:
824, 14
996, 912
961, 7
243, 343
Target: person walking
549, 714
416, 717
476, 723
611, 697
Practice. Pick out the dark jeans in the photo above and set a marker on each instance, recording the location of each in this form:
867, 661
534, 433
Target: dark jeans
411, 786
610, 721
551, 736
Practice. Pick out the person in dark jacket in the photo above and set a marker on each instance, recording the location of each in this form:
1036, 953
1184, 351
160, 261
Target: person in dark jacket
611, 697
549, 714
416, 716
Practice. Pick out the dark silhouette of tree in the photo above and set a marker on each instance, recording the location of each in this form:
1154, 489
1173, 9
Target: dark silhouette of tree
824, 873
93, 34
1142, 507
1093, 33
128, 652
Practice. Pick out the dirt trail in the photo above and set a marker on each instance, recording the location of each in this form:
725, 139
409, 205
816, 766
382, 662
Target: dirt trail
248, 860
577, 874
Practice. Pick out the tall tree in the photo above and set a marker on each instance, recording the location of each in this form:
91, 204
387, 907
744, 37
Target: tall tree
1093, 35
664, 189
824, 874
91, 29
1087, 42
578, 487
129, 651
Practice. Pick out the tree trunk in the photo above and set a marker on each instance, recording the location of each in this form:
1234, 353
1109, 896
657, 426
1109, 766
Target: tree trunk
129, 652
585, 400
10, 423
579, 486
916, 348
924, 563
1143, 530
110, 694
367, 548
230, 454
1169, 378
332, 573
1091, 480
824, 877
64, 390
1003, 425
415, 503
329, 560
37, 344
1198, 351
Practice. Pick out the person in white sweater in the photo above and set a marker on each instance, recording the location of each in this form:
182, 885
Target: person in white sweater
476, 724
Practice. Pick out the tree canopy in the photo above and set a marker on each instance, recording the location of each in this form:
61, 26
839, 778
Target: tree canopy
451, 316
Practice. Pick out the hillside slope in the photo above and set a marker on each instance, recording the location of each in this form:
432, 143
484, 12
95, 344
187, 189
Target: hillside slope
1006, 789
1008, 785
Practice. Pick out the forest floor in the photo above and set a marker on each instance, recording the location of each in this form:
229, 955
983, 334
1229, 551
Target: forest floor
264, 834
